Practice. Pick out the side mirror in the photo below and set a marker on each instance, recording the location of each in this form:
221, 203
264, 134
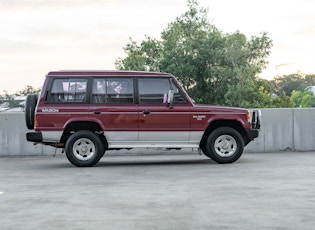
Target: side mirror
170, 96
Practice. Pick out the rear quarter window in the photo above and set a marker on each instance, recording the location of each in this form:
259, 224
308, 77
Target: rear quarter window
67, 91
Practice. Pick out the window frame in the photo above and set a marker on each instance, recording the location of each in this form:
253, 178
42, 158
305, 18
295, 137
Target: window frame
89, 89
171, 84
50, 94
106, 94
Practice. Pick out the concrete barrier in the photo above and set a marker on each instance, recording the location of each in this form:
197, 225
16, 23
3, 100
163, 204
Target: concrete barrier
13, 140
281, 130
285, 130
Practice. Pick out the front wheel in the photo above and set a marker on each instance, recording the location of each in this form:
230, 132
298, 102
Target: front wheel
224, 145
84, 148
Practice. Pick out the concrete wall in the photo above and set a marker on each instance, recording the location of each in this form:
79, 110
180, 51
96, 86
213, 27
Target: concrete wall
285, 130
281, 130
13, 137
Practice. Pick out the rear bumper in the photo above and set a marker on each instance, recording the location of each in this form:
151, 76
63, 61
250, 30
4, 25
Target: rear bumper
34, 137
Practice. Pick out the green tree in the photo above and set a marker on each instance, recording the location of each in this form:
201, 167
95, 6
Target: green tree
265, 90
245, 59
310, 79
212, 66
27, 90
304, 99
143, 57
281, 101
134, 59
193, 51
9, 99
288, 83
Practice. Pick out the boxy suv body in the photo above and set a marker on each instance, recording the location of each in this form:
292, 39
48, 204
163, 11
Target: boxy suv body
89, 112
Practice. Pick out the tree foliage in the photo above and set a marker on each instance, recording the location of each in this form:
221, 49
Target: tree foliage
143, 57
303, 99
11, 101
212, 66
292, 88
289, 83
28, 90
8, 100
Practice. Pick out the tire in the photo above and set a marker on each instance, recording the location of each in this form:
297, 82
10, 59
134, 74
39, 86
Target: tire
84, 148
224, 145
30, 105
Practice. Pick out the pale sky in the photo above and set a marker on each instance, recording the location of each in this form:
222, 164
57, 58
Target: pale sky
38, 36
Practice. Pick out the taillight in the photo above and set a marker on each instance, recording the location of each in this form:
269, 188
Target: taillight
35, 122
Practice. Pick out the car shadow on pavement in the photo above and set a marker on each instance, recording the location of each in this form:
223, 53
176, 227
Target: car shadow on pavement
135, 163
146, 162
165, 161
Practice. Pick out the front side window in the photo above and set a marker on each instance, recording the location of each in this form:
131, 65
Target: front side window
179, 97
112, 90
155, 91
68, 90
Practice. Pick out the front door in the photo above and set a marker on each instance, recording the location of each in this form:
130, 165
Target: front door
160, 124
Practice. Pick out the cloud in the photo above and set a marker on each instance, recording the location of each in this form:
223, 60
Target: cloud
39, 36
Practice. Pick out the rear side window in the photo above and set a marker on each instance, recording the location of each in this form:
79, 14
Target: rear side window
70, 90
112, 90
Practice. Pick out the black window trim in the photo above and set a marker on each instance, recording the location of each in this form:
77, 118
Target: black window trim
89, 89
111, 77
48, 93
171, 81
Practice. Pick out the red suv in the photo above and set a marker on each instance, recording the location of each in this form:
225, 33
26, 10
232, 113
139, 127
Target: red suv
89, 112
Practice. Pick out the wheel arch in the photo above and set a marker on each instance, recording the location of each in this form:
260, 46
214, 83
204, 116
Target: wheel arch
220, 123
75, 126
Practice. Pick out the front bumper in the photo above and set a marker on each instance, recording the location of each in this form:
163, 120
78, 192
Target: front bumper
256, 117
251, 134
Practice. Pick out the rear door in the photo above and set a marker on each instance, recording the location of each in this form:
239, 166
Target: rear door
112, 102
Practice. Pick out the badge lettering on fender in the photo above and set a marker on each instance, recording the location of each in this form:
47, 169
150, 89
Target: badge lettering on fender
199, 117
50, 110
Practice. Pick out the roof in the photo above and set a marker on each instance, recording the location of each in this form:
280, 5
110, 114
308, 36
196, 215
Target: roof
105, 73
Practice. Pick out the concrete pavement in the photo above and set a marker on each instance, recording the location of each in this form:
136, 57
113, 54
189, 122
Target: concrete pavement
173, 191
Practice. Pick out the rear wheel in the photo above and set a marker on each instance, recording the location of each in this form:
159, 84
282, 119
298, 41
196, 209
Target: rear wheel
30, 105
224, 145
84, 148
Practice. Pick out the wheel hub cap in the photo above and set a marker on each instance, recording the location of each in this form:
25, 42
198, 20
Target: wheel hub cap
84, 149
225, 145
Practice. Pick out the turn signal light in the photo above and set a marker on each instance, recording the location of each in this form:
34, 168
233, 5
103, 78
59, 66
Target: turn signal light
248, 117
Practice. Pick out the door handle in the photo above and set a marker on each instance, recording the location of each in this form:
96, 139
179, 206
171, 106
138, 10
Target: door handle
146, 111
97, 112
